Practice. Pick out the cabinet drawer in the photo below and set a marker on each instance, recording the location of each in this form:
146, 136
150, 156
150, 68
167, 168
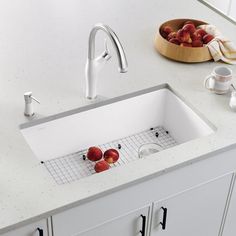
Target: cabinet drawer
77, 223
35, 229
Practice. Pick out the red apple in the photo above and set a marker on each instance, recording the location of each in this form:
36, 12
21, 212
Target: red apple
175, 41
201, 32
207, 38
111, 156
196, 36
171, 35
165, 31
189, 28
188, 22
101, 166
197, 43
186, 45
184, 36
94, 154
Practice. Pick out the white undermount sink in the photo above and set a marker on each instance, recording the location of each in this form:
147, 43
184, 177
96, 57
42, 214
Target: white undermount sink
112, 120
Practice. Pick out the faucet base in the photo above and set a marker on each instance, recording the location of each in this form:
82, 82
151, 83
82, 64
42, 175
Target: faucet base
91, 98
97, 99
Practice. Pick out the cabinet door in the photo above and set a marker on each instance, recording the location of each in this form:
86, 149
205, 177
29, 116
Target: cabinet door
195, 212
36, 229
128, 225
230, 226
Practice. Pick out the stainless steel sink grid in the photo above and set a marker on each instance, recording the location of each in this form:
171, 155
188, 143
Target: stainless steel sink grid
72, 167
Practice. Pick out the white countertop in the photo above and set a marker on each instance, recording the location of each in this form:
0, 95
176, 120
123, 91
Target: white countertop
43, 48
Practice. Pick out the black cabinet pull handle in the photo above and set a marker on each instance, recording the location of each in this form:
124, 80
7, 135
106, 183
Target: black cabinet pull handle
40, 231
143, 231
163, 223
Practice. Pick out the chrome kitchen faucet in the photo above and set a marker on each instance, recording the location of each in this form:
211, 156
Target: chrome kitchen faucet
94, 64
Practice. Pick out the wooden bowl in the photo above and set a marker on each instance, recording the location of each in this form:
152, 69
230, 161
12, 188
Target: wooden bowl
179, 53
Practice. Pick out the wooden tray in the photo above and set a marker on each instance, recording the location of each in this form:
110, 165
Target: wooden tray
179, 53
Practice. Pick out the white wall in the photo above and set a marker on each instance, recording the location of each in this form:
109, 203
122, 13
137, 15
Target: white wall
232, 11
228, 7
220, 5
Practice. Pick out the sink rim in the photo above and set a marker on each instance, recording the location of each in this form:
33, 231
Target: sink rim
114, 100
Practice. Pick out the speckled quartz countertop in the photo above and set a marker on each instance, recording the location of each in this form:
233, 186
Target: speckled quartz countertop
43, 48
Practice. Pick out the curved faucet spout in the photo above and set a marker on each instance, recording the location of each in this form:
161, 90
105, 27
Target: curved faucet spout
94, 64
123, 65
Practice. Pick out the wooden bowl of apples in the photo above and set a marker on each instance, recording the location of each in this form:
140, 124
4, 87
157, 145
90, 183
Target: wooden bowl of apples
182, 40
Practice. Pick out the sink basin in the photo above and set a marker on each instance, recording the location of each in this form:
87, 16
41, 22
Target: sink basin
115, 119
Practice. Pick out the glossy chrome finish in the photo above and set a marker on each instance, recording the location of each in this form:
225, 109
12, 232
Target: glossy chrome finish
94, 64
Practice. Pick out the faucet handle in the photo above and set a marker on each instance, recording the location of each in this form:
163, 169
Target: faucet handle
106, 54
36, 100
28, 98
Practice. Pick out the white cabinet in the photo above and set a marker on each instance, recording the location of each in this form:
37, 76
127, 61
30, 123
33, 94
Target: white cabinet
230, 226
133, 223
198, 211
36, 229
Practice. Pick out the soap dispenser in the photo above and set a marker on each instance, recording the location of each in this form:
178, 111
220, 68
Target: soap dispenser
29, 111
